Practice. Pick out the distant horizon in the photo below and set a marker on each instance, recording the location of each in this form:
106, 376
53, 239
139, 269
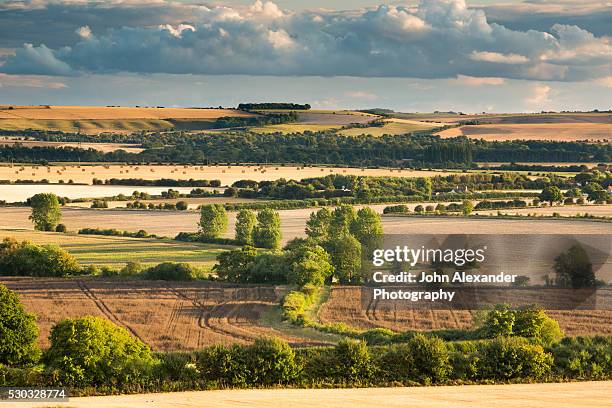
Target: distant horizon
409, 56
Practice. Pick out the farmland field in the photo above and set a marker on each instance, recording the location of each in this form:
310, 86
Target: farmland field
558, 395
391, 127
102, 147
165, 315
293, 222
344, 306
84, 174
510, 118
593, 132
95, 119
117, 251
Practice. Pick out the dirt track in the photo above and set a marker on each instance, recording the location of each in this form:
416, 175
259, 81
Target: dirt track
566, 395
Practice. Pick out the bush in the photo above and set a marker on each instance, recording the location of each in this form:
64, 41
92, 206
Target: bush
377, 336
270, 361
177, 367
131, 269
93, 351
18, 331
352, 362
513, 357
61, 228
27, 259
430, 358
171, 271
223, 366
583, 357
182, 205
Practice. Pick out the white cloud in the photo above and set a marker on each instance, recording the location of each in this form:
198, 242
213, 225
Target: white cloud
280, 39
178, 30
30, 81
540, 96
605, 81
478, 81
368, 96
83, 32
499, 58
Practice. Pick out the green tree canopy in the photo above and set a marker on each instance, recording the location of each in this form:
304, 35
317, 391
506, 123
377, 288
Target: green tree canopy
18, 331
552, 194
345, 252
267, 233
367, 228
245, 224
92, 351
213, 220
317, 226
574, 269
46, 213
308, 263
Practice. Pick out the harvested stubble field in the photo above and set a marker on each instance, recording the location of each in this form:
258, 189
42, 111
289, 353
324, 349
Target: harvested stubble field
345, 306
562, 210
102, 147
84, 174
117, 251
165, 315
510, 118
592, 132
293, 222
96, 119
559, 395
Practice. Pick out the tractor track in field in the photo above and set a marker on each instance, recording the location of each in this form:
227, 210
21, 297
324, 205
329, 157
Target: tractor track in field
105, 309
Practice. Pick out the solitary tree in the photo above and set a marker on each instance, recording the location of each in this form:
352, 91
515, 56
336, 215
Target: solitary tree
46, 212
18, 331
551, 194
467, 207
245, 224
267, 232
574, 269
213, 220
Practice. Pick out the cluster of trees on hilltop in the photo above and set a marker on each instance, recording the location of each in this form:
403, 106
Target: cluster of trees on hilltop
273, 105
416, 150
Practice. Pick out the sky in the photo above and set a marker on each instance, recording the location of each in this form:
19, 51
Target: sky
410, 56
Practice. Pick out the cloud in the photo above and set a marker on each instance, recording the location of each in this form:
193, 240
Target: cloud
498, 58
605, 81
478, 81
436, 39
83, 32
367, 96
539, 97
30, 81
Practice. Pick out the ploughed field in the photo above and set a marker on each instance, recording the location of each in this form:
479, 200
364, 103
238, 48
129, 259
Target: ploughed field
345, 306
165, 315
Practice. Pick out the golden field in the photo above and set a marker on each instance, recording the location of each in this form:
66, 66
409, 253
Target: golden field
84, 174
592, 132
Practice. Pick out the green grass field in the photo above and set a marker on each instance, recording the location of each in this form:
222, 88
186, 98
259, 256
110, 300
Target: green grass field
117, 251
390, 128
294, 128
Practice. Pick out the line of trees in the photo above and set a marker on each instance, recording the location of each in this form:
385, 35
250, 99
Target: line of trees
417, 150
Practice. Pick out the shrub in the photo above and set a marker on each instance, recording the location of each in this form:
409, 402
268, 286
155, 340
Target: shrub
430, 358
513, 357
131, 269
294, 305
18, 331
223, 366
177, 367
171, 271
583, 357
378, 335
352, 362
61, 228
270, 361
93, 351
27, 259
182, 205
